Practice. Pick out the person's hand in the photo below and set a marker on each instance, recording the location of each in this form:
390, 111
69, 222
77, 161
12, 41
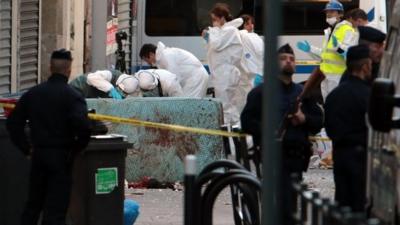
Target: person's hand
205, 34
304, 46
344, 54
115, 94
298, 118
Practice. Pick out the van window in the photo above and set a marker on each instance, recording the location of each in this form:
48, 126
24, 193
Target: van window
301, 17
171, 18
204, 7
190, 17
182, 17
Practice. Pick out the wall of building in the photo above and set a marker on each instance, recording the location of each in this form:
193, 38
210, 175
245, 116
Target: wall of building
19, 45
62, 27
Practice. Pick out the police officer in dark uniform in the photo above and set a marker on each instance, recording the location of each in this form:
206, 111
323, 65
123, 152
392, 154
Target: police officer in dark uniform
300, 119
375, 40
345, 123
59, 127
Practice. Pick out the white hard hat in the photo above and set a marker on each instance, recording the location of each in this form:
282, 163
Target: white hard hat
147, 80
127, 83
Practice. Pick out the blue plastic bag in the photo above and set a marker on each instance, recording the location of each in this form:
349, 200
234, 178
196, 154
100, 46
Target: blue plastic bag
131, 211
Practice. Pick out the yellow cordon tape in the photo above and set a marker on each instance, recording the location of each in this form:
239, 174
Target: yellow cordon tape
143, 123
177, 128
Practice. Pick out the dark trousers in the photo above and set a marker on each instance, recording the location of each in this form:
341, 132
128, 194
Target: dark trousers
49, 188
350, 177
289, 166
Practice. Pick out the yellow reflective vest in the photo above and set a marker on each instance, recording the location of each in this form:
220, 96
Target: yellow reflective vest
332, 62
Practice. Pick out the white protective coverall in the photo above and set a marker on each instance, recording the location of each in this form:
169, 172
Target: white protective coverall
169, 83
102, 80
224, 56
253, 55
252, 62
191, 73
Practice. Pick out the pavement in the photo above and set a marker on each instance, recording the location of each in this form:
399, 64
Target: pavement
164, 206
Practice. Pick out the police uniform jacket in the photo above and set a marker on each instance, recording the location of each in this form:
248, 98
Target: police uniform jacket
295, 136
345, 113
57, 116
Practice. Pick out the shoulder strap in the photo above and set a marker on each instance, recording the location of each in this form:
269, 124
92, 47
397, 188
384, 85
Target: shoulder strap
160, 91
114, 79
159, 87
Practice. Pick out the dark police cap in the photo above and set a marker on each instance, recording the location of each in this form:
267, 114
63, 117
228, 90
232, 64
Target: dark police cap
286, 49
371, 34
61, 54
357, 53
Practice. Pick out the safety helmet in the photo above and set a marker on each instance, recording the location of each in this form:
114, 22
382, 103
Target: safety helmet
147, 80
334, 5
127, 83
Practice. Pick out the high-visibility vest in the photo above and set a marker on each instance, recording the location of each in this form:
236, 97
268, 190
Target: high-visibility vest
333, 63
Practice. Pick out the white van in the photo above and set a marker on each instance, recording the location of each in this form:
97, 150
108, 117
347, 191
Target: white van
178, 23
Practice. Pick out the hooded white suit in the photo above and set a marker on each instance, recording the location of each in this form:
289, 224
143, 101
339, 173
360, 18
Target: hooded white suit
160, 80
225, 52
190, 72
253, 55
252, 64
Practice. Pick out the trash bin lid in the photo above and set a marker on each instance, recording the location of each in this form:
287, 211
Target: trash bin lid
108, 142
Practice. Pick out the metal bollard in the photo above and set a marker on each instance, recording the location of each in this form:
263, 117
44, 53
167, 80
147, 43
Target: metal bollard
328, 206
310, 205
336, 215
317, 212
306, 200
325, 208
305, 196
373, 221
355, 219
295, 193
346, 215
190, 190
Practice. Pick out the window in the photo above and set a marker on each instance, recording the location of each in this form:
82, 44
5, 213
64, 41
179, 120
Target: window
190, 17
171, 18
204, 7
300, 17
182, 17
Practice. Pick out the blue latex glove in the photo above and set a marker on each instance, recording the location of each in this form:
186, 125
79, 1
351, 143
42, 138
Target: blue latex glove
259, 79
115, 94
207, 37
344, 54
335, 41
304, 46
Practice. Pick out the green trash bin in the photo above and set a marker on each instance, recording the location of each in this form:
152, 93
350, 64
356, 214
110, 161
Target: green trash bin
14, 176
98, 182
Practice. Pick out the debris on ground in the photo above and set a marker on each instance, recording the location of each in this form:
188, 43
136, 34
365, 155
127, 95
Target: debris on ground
151, 183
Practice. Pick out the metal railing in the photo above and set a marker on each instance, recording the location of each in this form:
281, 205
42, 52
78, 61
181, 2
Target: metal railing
243, 177
308, 208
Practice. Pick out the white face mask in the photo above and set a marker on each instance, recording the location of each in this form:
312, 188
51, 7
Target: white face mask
331, 21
